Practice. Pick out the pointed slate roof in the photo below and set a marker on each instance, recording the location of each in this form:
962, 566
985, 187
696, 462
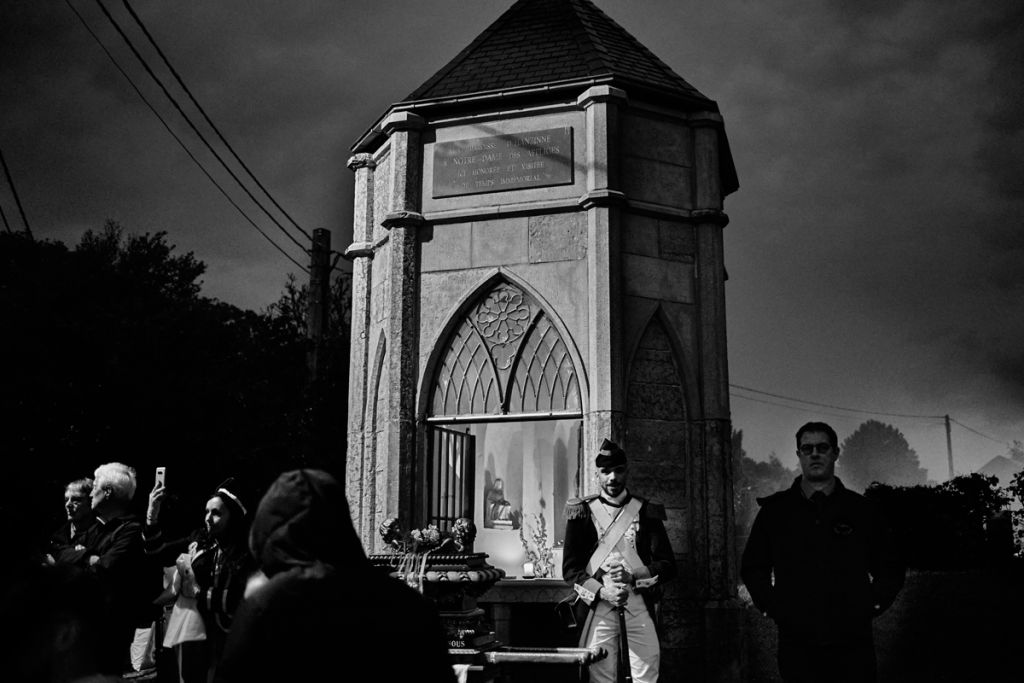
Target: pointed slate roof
543, 41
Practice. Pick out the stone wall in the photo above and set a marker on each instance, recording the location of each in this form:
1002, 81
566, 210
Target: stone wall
624, 254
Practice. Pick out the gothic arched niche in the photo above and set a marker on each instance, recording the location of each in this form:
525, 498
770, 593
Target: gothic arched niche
657, 424
504, 423
505, 357
655, 389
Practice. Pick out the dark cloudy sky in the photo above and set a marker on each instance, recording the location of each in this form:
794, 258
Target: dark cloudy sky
875, 244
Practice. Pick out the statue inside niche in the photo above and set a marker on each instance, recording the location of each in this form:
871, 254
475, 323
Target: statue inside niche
498, 512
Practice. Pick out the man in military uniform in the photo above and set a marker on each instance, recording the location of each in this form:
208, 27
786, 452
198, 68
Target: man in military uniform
616, 557
834, 568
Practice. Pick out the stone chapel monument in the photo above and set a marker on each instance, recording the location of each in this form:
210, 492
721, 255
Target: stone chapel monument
537, 265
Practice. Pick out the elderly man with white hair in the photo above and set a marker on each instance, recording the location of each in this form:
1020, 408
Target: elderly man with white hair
116, 555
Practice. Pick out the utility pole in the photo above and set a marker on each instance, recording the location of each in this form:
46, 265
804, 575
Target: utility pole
17, 199
319, 299
949, 447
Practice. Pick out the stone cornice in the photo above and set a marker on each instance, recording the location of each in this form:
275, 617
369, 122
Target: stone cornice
361, 160
601, 93
705, 118
358, 249
598, 198
602, 198
403, 219
714, 216
401, 120
691, 216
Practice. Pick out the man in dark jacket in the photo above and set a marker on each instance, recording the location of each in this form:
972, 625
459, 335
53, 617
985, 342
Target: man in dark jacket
834, 567
323, 607
616, 557
115, 554
67, 545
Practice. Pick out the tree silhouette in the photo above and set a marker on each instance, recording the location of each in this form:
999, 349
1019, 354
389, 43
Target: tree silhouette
110, 353
325, 401
753, 479
876, 451
1016, 451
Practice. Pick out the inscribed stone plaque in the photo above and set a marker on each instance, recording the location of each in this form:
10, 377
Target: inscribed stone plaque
503, 162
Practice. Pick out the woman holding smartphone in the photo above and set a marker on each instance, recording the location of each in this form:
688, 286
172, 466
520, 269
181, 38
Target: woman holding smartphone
212, 565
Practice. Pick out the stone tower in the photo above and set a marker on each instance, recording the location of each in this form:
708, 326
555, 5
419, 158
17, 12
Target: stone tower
538, 265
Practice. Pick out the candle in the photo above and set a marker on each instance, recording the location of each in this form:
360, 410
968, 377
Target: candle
528, 569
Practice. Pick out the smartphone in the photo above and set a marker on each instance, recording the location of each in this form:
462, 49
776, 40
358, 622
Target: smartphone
160, 475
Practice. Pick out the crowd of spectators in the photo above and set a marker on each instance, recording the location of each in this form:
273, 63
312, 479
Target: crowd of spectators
115, 596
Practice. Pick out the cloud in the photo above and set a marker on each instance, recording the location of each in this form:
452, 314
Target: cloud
875, 240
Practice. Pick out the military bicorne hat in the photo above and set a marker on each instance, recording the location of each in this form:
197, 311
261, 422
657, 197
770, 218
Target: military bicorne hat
610, 455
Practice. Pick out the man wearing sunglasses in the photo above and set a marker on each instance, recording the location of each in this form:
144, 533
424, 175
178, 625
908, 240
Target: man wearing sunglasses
820, 561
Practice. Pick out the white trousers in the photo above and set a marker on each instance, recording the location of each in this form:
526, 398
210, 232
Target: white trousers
142, 649
644, 650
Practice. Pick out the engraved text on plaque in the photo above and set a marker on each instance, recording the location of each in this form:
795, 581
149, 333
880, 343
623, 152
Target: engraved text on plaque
503, 162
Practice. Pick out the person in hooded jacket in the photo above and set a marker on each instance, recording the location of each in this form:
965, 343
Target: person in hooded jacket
323, 607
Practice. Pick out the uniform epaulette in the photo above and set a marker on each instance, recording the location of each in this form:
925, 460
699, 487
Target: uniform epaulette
577, 508
655, 511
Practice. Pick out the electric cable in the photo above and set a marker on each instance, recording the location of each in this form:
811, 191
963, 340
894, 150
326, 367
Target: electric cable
334, 262
202, 111
975, 431
852, 410
6, 224
797, 408
180, 142
195, 129
14, 191
835, 407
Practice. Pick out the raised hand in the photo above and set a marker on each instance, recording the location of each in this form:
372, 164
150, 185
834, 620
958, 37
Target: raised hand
156, 496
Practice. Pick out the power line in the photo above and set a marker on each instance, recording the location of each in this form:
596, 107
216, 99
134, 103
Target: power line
14, 191
180, 142
784, 405
834, 407
6, 224
852, 410
975, 431
202, 111
195, 129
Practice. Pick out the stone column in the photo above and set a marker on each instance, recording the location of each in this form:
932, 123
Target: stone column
360, 252
605, 416
398, 461
723, 613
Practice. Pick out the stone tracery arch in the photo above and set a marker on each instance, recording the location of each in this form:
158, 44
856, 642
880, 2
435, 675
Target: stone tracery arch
505, 357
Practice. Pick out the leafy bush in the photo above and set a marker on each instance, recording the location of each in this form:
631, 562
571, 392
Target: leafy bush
1016, 489
946, 526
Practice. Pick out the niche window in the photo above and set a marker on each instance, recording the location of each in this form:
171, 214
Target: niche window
504, 428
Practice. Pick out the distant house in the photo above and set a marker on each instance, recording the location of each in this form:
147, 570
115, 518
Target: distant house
1002, 468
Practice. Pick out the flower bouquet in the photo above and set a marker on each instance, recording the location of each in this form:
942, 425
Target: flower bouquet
533, 534
412, 550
